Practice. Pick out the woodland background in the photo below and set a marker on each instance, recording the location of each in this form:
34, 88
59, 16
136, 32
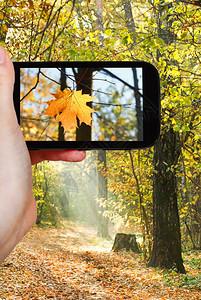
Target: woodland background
153, 193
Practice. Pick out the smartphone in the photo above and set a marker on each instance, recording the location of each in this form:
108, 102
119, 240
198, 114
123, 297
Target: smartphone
87, 105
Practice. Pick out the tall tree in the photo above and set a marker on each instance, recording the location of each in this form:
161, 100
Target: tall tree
166, 250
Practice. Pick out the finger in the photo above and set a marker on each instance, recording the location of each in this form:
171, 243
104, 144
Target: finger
8, 115
56, 155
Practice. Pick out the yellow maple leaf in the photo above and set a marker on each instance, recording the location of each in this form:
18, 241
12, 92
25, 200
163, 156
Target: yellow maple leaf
68, 105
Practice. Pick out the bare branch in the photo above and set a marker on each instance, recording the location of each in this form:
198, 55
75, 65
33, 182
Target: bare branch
38, 75
193, 2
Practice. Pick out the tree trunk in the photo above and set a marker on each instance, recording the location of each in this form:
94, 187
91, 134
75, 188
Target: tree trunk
64, 202
166, 231
63, 87
193, 2
129, 18
39, 214
144, 216
139, 112
99, 4
197, 210
125, 241
84, 82
102, 194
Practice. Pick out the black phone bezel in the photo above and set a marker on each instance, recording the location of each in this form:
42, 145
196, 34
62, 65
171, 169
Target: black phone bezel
151, 106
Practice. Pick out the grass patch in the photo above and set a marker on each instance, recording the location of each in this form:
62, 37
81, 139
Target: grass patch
192, 278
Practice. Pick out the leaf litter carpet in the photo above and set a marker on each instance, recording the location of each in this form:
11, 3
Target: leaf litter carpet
72, 263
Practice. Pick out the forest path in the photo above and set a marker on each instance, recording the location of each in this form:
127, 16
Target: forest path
72, 263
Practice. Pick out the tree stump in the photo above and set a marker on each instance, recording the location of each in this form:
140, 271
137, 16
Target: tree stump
125, 241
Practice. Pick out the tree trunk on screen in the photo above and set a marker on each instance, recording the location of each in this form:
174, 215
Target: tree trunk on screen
84, 82
63, 87
139, 112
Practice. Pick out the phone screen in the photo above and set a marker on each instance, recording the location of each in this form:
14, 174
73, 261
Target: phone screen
81, 104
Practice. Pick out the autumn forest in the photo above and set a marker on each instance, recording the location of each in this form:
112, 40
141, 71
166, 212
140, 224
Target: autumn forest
122, 224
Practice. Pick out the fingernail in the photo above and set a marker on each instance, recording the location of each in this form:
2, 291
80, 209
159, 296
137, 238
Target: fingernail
78, 155
2, 55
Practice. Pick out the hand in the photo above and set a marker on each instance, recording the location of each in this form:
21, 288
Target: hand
17, 204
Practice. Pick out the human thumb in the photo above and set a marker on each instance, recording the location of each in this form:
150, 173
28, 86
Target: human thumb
7, 111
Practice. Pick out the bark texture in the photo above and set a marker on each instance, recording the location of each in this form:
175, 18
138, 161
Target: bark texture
166, 231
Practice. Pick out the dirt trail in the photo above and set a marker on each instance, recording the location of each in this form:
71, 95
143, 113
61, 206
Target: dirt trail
72, 263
